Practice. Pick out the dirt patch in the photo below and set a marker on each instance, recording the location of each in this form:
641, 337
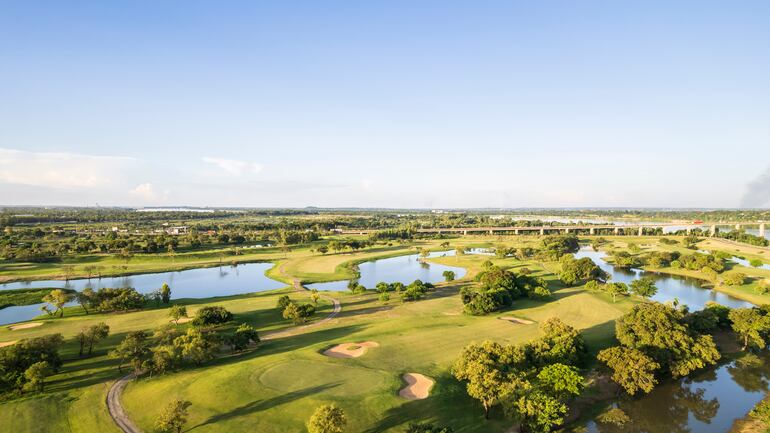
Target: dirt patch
182, 320
25, 326
417, 386
7, 343
517, 320
349, 350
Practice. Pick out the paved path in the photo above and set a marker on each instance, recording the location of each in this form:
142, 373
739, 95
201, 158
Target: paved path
113, 395
116, 410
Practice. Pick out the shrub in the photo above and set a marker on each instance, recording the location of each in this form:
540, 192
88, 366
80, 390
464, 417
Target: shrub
212, 315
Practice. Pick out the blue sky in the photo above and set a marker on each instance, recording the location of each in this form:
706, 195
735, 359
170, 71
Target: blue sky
389, 104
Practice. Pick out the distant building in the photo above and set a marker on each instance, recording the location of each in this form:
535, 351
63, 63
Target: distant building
178, 230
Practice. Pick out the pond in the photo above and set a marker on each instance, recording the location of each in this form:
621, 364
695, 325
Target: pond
706, 402
688, 291
404, 269
192, 283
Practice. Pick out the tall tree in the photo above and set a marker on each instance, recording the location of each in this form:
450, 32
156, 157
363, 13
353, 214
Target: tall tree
644, 287
751, 326
486, 369
165, 293
57, 298
631, 369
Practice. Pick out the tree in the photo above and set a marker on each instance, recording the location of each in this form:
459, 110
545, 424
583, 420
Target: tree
755, 263
661, 332
314, 296
448, 275
16, 359
560, 343
174, 417
196, 346
486, 370
134, 349
35, 376
283, 302
212, 315
751, 326
327, 419
57, 298
85, 298
561, 381
243, 336
644, 287
298, 313
323, 249
710, 273
540, 412
91, 335
616, 289
176, 312
631, 369
762, 412
165, 293
734, 279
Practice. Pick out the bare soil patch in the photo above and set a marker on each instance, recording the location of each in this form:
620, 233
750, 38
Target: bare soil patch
517, 320
25, 326
349, 350
417, 386
7, 343
182, 320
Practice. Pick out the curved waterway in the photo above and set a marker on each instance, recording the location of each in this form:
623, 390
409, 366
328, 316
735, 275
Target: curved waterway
709, 401
689, 291
191, 283
403, 269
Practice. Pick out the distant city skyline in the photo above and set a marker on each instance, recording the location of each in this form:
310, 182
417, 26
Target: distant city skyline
386, 105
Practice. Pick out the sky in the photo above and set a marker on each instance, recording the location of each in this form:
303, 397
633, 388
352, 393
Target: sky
402, 104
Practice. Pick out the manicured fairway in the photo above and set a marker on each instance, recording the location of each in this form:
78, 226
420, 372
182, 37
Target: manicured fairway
276, 387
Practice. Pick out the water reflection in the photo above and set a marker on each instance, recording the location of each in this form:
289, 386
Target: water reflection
688, 291
707, 402
192, 283
404, 269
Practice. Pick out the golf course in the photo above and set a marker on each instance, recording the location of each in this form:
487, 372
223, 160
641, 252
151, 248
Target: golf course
364, 359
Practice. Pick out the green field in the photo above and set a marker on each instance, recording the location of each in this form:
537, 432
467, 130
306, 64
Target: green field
276, 387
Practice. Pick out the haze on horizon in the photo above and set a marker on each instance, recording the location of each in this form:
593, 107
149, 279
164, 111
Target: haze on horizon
398, 104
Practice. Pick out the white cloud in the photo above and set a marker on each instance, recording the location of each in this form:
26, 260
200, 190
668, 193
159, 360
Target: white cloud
234, 167
146, 191
58, 169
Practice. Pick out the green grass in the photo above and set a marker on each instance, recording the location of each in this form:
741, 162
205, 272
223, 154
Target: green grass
13, 297
276, 387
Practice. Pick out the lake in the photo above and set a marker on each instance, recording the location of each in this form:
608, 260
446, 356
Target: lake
709, 401
192, 283
404, 269
689, 291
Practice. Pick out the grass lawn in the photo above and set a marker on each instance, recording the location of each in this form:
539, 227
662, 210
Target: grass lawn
276, 387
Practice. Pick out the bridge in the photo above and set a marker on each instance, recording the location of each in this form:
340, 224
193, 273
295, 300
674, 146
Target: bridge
585, 229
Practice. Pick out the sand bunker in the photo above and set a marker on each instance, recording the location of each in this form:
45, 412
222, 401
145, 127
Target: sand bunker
182, 320
349, 350
417, 386
517, 320
25, 326
7, 343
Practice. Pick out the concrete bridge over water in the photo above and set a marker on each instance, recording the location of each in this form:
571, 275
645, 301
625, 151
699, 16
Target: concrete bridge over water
591, 229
